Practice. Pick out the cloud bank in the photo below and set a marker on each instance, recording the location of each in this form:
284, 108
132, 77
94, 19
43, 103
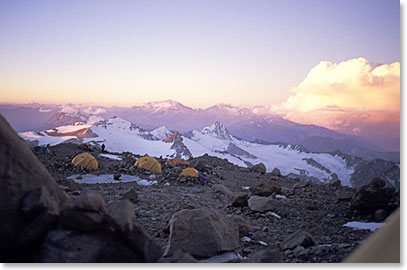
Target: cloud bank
354, 97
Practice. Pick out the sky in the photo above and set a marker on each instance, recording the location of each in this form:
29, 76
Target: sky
314, 61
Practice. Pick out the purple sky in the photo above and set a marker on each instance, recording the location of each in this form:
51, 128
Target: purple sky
197, 52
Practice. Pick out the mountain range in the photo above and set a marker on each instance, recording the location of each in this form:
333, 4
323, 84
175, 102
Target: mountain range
243, 122
120, 135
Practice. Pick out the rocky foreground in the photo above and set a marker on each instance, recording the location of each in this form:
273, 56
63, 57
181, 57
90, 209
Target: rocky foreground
242, 215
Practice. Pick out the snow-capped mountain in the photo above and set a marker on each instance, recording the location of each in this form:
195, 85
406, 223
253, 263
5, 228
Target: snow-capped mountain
120, 135
247, 123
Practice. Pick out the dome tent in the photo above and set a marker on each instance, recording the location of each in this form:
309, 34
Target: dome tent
190, 172
148, 163
86, 160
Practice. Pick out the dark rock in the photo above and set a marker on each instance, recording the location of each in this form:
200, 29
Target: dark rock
179, 257
276, 172
131, 195
64, 246
117, 176
266, 188
71, 184
380, 215
79, 177
90, 201
263, 204
38, 201
121, 213
377, 182
302, 184
239, 199
20, 172
371, 197
299, 238
259, 168
335, 184
344, 195
269, 255
244, 226
81, 220
202, 232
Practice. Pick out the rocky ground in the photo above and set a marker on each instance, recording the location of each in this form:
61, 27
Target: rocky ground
301, 221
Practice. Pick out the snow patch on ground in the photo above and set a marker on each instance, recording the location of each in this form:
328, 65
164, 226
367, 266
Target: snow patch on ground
111, 156
108, 178
364, 225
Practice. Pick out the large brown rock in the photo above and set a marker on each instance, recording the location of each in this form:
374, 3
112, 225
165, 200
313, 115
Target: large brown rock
20, 173
265, 188
202, 232
259, 168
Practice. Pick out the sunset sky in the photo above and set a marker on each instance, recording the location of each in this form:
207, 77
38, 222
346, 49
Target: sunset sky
294, 56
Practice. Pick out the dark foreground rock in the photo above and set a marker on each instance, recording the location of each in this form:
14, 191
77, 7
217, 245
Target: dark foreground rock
202, 232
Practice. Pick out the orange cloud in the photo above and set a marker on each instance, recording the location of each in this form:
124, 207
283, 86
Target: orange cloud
355, 97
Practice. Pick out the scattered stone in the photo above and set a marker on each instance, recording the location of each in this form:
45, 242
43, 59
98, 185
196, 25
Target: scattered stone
259, 168
380, 215
202, 232
121, 213
302, 184
117, 176
71, 184
244, 226
299, 238
269, 255
131, 195
239, 199
263, 204
90, 201
335, 184
79, 177
266, 188
276, 172
221, 190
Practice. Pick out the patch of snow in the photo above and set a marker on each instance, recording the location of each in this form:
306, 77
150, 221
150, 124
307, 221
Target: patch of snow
44, 140
245, 239
245, 188
223, 258
263, 243
364, 225
69, 128
161, 132
41, 110
278, 196
111, 156
167, 184
274, 215
108, 178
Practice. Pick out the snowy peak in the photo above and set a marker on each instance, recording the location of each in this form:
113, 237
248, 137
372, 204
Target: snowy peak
164, 106
161, 132
217, 130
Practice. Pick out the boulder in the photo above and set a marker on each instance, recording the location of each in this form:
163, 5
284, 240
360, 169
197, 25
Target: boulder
344, 195
81, 220
269, 255
244, 226
116, 176
371, 197
302, 184
276, 172
90, 201
265, 188
202, 232
222, 191
239, 199
263, 204
66, 246
131, 195
38, 201
121, 213
298, 238
335, 184
179, 257
259, 168
21, 173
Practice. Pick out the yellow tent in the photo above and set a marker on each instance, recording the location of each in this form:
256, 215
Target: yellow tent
86, 160
190, 172
148, 163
